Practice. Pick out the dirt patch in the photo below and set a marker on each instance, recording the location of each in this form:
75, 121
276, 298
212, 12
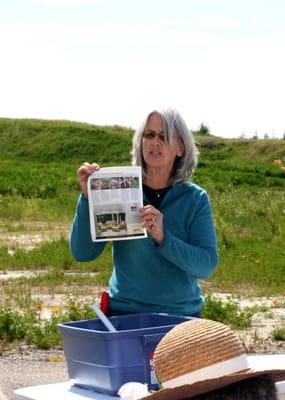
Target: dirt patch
29, 235
6, 275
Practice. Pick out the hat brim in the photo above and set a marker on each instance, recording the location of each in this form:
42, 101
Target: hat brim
189, 391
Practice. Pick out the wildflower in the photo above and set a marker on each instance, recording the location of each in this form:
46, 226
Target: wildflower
257, 262
55, 309
39, 305
55, 358
274, 302
279, 164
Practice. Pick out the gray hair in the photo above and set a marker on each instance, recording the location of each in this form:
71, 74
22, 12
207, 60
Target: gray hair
173, 124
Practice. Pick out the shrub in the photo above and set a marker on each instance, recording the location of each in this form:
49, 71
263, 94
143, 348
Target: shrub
228, 313
279, 334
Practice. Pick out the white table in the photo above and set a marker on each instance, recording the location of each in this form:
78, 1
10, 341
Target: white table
66, 391
260, 362
61, 391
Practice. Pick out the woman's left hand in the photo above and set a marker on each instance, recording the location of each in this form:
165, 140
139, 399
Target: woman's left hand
152, 219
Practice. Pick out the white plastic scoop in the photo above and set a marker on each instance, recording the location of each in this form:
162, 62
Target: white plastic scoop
103, 318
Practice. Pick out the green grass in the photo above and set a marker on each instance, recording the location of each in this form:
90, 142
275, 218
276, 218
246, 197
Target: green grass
48, 141
279, 334
38, 192
51, 254
58, 282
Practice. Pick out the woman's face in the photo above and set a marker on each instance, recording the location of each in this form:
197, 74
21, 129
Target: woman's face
156, 152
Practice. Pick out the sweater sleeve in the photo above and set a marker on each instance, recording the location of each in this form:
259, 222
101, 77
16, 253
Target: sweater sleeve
199, 255
81, 245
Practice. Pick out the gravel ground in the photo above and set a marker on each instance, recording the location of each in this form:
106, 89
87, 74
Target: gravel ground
24, 368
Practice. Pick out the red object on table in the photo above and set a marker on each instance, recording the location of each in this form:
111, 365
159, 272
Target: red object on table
104, 304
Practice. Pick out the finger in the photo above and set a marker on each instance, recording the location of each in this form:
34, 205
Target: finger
96, 166
93, 166
152, 224
87, 169
82, 172
151, 212
148, 208
147, 219
84, 167
148, 223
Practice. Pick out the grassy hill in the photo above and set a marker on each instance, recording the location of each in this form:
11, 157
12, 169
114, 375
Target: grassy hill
47, 141
38, 162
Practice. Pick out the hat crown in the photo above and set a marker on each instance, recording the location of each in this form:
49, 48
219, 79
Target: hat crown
194, 345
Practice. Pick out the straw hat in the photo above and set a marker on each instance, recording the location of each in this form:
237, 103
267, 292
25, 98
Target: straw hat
199, 356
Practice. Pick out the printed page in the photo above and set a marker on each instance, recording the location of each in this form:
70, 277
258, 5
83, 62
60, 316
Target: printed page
115, 196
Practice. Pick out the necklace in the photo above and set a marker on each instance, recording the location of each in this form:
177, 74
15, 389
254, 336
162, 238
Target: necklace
155, 196
159, 192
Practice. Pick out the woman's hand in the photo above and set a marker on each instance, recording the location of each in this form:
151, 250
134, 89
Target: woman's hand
152, 220
83, 173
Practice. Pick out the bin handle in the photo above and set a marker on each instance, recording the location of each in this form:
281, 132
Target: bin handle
153, 338
103, 318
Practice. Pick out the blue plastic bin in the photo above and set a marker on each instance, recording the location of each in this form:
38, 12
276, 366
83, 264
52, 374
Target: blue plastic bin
103, 361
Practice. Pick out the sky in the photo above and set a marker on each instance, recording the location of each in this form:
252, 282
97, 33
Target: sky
111, 62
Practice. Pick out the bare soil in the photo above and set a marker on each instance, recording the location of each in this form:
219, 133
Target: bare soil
30, 234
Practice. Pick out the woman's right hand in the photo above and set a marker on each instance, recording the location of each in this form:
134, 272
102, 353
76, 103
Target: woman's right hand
83, 173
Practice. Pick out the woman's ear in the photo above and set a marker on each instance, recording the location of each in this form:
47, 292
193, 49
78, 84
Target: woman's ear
180, 150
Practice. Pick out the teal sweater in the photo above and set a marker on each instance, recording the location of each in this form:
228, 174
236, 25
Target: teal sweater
151, 278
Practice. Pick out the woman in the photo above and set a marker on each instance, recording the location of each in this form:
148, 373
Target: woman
159, 273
